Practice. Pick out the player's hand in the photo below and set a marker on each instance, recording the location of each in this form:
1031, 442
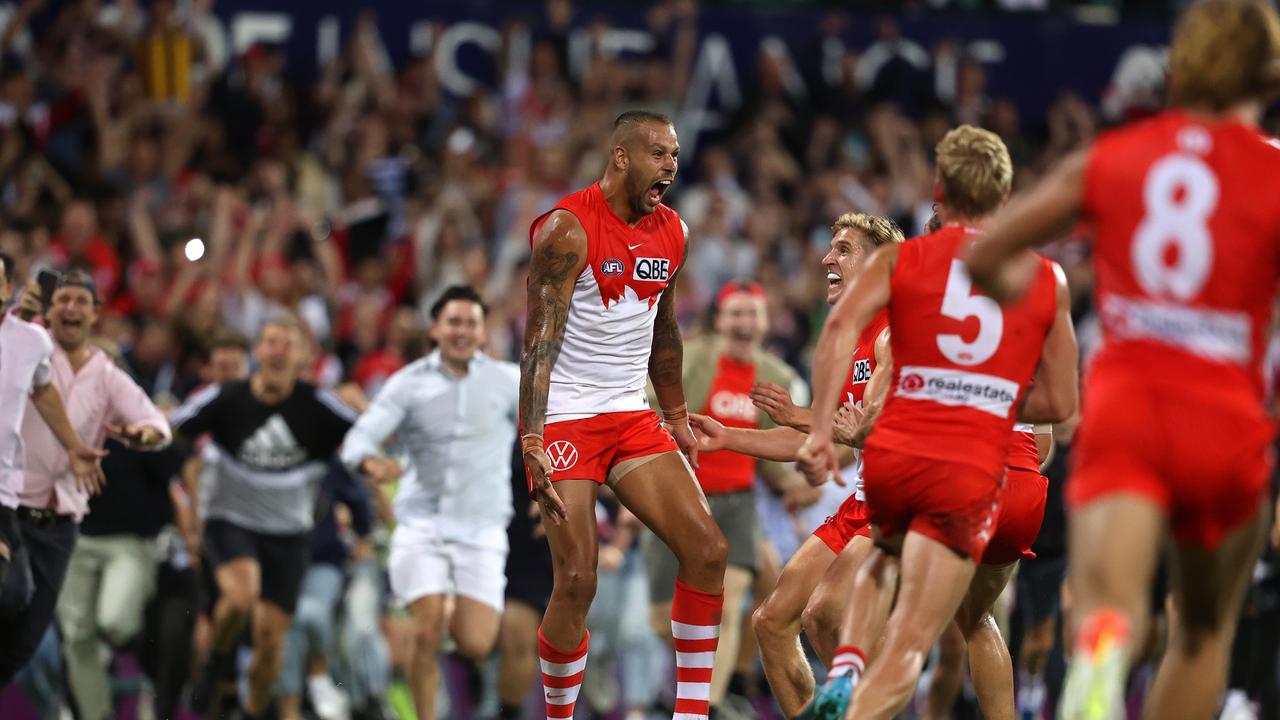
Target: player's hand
87, 469
775, 401
845, 424
539, 467
381, 469
687, 442
800, 496
817, 460
710, 433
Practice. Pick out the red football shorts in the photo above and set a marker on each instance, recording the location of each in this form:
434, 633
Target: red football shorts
587, 449
849, 522
1205, 461
952, 503
1021, 513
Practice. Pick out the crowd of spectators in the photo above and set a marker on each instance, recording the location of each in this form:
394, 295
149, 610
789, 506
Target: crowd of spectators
206, 190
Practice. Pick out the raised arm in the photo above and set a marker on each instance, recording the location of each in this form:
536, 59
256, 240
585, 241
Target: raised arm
1039, 215
1055, 392
559, 254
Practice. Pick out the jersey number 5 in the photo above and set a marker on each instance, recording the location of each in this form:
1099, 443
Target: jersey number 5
960, 303
1177, 220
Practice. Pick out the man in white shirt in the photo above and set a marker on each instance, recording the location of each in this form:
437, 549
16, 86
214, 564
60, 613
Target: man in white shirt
25, 371
454, 412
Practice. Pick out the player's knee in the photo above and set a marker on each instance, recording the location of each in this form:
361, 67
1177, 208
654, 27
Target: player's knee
770, 620
708, 557
576, 584
819, 619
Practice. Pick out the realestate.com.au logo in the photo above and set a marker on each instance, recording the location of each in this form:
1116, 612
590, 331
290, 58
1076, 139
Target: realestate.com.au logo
988, 393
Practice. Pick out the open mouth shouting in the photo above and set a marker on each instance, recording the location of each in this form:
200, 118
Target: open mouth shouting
657, 191
833, 280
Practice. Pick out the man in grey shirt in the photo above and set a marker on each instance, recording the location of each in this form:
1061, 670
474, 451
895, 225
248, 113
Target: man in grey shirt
271, 438
454, 413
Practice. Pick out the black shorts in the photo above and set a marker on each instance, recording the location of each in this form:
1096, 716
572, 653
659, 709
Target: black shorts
282, 559
1040, 589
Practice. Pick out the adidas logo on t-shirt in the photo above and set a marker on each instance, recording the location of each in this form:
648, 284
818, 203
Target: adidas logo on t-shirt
272, 446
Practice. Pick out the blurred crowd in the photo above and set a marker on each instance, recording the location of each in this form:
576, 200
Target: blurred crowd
207, 190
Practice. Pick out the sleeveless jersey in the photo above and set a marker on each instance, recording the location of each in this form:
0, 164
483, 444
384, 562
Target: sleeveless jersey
729, 401
1023, 453
604, 358
961, 360
864, 363
1187, 254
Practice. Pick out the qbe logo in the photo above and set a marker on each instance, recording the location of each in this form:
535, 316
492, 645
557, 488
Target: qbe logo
613, 267
861, 371
652, 269
562, 454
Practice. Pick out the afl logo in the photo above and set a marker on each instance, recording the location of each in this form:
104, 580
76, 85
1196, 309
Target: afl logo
563, 455
612, 267
912, 383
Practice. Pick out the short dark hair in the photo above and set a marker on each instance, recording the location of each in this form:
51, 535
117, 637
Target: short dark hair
457, 292
10, 269
633, 118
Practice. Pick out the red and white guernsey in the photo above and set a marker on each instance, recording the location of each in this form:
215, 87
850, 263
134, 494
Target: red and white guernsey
864, 363
961, 360
1187, 254
604, 358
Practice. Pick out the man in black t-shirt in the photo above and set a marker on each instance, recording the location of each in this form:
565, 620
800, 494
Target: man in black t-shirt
271, 440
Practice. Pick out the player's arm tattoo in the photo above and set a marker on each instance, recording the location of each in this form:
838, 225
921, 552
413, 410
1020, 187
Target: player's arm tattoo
666, 358
557, 261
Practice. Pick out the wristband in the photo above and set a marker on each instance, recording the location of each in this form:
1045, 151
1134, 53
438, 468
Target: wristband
676, 416
531, 441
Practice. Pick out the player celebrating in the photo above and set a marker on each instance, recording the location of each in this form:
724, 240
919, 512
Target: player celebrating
961, 362
816, 581
601, 315
1186, 263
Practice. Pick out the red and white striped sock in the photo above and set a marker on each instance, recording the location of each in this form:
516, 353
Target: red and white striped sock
561, 675
848, 660
695, 625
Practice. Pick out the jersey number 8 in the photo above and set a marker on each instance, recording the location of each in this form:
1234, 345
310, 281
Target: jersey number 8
1178, 220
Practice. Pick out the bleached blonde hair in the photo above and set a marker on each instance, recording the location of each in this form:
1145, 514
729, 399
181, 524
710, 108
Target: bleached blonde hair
878, 230
975, 170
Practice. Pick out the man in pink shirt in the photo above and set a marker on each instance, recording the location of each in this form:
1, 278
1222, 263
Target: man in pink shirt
100, 398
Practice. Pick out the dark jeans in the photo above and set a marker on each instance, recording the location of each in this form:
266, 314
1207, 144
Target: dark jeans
37, 572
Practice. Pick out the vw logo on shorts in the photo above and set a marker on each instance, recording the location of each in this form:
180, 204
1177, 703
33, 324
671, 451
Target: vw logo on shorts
563, 455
